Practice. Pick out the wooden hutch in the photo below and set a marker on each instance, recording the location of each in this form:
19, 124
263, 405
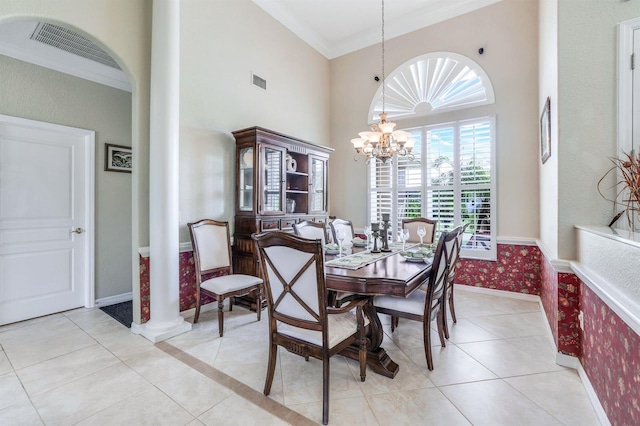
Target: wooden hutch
280, 180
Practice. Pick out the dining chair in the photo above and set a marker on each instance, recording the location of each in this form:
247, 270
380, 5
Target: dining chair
453, 263
299, 319
312, 230
212, 255
414, 223
424, 306
345, 226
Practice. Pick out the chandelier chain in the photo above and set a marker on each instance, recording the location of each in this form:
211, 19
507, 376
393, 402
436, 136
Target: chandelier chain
383, 75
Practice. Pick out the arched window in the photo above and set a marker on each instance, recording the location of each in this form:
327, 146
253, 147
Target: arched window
452, 175
430, 84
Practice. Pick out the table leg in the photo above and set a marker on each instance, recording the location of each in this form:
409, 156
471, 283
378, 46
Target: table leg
377, 358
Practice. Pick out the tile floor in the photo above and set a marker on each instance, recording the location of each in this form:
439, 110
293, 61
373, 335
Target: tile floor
83, 367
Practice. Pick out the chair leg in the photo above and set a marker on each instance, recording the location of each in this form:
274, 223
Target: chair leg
394, 323
232, 300
271, 367
440, 322
445, 322
197, 315
426, 330
451, 308
220, 316
325, 389
259, 304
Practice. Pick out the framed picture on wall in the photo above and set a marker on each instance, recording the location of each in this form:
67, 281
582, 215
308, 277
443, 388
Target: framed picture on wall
117, 158
545, 131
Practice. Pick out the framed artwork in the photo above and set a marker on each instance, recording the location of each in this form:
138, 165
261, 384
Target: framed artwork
117, 158
545, 131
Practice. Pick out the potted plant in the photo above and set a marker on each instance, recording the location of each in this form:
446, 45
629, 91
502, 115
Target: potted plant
627, 168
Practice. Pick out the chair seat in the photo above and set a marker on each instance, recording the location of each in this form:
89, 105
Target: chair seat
413, 304
228, 283
339, 327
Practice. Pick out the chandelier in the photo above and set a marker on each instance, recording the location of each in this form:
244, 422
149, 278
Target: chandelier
382, 142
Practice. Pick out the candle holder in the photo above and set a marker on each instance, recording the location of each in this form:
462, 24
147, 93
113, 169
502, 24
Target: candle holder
385, 232
375, 233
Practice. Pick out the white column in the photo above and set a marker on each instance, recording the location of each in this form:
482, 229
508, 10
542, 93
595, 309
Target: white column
165, 319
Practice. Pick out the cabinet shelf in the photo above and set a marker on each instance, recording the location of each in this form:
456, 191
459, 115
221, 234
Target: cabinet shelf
296, 191
298, 173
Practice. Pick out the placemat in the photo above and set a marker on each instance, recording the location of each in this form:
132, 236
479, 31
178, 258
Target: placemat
364, 258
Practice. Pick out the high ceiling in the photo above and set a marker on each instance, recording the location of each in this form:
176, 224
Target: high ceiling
338, 27
332, 27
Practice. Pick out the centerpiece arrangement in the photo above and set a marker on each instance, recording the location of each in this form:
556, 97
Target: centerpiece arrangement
627, 168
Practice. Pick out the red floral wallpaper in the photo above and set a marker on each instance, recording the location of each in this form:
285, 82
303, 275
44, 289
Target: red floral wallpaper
517, 269
569, 333
611, 359
187, 279
549, 295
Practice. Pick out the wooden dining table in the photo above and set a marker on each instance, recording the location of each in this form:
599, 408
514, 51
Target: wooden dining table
391, 276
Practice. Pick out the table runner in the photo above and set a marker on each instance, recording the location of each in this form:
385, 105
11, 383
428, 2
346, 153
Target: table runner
364, 258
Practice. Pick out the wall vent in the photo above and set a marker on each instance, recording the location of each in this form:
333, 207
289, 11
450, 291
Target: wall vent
258, 81
67, 40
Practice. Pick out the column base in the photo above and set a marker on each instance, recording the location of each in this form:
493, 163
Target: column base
158, 332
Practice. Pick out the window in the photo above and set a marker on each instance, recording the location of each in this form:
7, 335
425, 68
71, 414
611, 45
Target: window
452, 179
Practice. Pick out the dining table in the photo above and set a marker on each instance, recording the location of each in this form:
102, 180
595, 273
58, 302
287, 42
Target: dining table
369, 274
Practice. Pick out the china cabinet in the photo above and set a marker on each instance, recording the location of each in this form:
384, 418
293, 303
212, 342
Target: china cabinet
280, 180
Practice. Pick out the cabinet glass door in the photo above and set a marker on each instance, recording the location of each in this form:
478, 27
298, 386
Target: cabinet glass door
272, 179
318, 185
245, 179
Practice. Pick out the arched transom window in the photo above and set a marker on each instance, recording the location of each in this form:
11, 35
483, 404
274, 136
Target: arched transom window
451, 175
430, 84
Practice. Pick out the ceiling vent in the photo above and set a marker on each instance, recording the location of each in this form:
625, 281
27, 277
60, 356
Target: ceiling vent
259, 81
71, 42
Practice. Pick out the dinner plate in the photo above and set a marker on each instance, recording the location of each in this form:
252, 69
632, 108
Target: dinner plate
332, 251
415, 259
359, 244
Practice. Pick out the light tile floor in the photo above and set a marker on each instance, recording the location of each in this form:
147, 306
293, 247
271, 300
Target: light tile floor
83, 367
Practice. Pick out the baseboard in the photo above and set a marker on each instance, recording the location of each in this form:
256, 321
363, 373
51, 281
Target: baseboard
112, 300
593, 396
499, 293
567, 360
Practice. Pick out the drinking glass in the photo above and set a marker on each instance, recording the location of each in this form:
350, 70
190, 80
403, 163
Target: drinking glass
340, 237
421, 233
405, 238
367, 233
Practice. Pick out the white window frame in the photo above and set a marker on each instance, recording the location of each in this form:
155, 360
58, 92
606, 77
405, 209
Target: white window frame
491, 253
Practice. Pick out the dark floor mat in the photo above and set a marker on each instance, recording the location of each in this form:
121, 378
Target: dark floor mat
121, 312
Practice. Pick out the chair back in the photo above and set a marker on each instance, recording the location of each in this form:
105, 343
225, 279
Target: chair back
293, 272
413, 224
439, 274
311, 230
455, 256
211, 249
345, 226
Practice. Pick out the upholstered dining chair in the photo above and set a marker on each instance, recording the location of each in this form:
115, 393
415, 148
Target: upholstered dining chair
424, 306
453, 263
414, 223
345, 226
312, 230
299, 319
212, 255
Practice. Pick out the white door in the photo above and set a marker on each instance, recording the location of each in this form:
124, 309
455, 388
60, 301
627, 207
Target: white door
46, 218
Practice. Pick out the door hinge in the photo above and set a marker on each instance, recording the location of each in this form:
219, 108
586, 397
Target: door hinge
633, 61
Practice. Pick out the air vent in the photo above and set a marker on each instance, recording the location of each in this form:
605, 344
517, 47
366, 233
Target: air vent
67, 40
258, 81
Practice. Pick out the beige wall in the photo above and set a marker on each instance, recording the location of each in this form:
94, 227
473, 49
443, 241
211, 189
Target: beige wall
222, 42
37, 93
508, 31
587, 46
548, 74
122, 28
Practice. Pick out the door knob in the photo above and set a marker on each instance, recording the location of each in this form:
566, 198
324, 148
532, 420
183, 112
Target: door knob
77, 231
